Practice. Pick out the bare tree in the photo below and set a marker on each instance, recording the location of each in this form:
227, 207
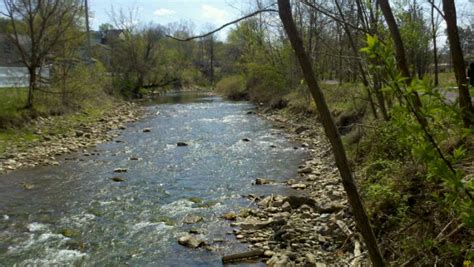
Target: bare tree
37, 28
331, 132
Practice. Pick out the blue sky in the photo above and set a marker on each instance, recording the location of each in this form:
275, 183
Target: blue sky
202, 13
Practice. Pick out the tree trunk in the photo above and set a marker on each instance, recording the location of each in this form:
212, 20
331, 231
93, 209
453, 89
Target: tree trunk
465, 102
396, 37
435, 47
400, 52
31, 87
331, 132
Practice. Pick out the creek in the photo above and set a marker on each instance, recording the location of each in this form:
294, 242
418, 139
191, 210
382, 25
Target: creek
75, 214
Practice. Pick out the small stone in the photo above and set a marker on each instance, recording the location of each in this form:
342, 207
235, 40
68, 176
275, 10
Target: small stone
306, 208
146, 130
194, 231
268, 253
286, 206
305, 170
120, 170
239, 236
27, 186
301, 129
181, 144
230, 216
310, 259
298, 186
246, 140
118, 179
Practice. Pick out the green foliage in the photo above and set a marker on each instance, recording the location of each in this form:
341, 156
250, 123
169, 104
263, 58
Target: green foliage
233, 87
266, 84
384, 185
428, 143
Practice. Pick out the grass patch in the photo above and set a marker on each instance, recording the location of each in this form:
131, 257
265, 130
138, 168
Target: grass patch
85, 101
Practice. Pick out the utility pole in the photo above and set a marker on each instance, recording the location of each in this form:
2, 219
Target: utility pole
88, 53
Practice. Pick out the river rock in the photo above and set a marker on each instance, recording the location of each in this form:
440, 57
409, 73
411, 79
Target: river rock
268, 253
298, 186
230, 216
120, 170
246, 140
190, 241
118, 179
310, 260
296, 201
286, 206
192, 219
278, 260
27, 186
71, 233
263, 181
146, 130
181, 144
301, 129
305, 170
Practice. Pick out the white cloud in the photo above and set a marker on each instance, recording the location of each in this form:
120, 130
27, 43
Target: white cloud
163, 12
215, 14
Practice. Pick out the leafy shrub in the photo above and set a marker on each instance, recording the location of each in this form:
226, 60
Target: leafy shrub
266, 85
232, 87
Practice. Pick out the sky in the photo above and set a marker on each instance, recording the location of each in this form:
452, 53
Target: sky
204, 14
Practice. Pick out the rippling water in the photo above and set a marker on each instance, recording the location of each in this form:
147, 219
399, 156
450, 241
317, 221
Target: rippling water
76, 215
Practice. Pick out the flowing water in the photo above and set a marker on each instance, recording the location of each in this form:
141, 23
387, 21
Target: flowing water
76, 215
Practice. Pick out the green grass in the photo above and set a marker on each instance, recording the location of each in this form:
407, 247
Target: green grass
16, 129
447, 79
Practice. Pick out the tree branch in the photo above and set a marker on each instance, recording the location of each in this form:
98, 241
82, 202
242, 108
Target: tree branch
223, 26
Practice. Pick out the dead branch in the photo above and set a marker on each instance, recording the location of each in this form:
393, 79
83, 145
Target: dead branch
223, 26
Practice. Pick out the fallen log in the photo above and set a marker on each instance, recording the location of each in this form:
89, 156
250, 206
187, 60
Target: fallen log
241, 256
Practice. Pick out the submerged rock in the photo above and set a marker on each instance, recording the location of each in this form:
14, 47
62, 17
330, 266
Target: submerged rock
118, 179
27, 186
181, 144
192, 219
71, 233
146, 130
120, 170
246, 140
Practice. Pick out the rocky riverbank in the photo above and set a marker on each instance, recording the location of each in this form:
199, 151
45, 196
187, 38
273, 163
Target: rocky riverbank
313, 226
74, 135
